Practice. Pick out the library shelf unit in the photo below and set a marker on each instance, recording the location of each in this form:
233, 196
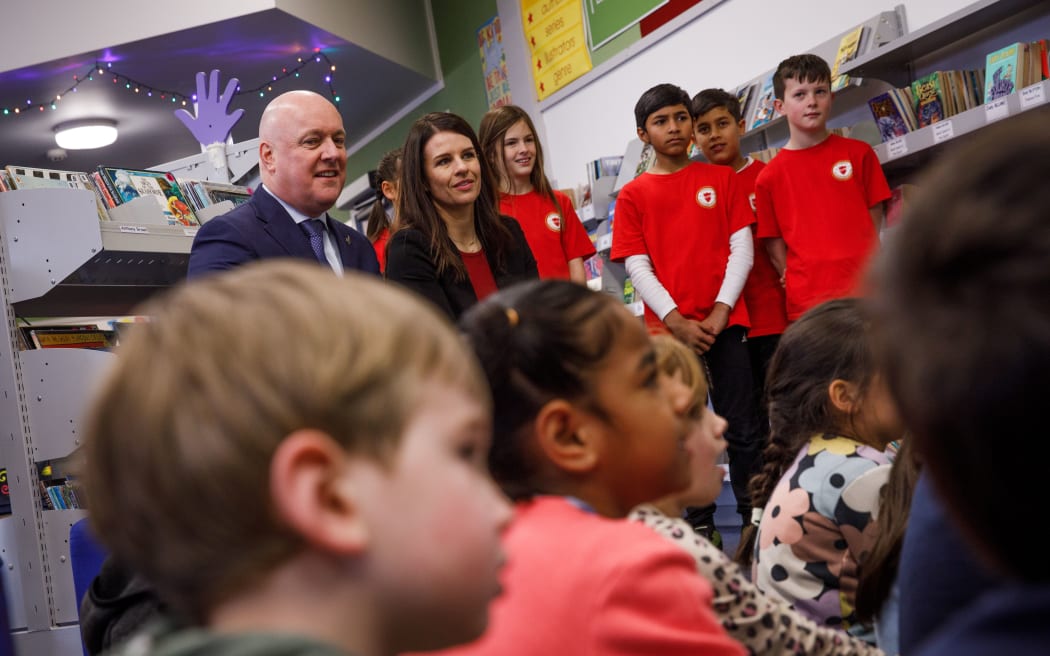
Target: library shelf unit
58, 260
960, 40
884, 27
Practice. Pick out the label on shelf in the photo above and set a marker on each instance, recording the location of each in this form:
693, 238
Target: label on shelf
637, 308
604, 242
943, 131
996, 110
1032, 96
586, 212
896, 148
138, 229
190, 232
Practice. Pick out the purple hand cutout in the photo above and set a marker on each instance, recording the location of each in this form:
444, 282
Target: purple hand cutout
212, 124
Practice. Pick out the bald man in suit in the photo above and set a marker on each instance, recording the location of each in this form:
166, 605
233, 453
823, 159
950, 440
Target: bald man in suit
302, 163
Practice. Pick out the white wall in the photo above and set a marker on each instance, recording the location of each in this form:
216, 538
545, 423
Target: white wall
726, 46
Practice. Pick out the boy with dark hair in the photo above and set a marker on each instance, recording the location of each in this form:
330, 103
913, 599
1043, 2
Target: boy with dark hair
961, 307
294, 475
683, 232
819, 201
717, 129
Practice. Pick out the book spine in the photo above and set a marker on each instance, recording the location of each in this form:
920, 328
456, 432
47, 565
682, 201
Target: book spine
101, 190
107, 184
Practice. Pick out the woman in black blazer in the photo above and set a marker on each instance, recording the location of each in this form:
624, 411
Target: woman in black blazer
450, 243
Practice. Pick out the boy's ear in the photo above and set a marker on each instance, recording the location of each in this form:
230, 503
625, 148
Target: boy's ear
643, 135
562, 439
844, 395
311, 493
778, 105
741, 127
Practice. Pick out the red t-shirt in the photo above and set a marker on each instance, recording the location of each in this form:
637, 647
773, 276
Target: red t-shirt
817, 199
554, 239
380, 245
480, 273
683, 222
763, 292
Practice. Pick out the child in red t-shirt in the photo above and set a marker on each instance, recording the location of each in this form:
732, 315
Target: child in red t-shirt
382, 213
717, 129
551, 226
683, 230
819, 201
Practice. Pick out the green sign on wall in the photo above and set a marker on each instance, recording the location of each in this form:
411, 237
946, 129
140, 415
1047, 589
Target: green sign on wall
607, 18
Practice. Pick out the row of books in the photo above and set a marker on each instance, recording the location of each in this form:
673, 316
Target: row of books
943, 94
927, 100
177, 201
60, 496
1015, 67
58, 487
100, 334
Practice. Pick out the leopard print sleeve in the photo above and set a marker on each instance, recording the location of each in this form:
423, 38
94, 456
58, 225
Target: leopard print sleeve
763, 623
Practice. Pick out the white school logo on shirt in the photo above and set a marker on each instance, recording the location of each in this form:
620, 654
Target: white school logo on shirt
842, 170
706, 197
553, 222
751, 199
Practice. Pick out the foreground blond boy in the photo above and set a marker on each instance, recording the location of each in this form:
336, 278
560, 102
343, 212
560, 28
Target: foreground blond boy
297, 463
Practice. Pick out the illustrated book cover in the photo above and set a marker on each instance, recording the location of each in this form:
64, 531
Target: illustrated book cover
929, 99
849, 48
888, 117
764, 111
1001, 70
128, 184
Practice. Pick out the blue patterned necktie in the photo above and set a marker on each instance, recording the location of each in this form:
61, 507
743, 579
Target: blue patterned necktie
315, 229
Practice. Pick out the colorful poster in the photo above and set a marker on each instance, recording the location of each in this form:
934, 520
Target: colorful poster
494, 64
557, 40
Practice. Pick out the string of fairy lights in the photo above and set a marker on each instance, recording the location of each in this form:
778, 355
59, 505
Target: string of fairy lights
104, 71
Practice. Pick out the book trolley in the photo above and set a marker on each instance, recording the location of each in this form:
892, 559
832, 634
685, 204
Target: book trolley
58, 259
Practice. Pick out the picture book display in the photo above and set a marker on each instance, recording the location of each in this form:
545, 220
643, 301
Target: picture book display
849, 48
744, 96
764, 111
204, 193
26, 177
125, 185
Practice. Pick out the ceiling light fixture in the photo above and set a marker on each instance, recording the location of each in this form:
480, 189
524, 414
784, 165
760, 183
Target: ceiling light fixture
86, 133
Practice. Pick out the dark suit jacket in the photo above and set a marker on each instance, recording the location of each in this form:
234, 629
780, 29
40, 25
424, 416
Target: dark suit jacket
408, 261
262, 228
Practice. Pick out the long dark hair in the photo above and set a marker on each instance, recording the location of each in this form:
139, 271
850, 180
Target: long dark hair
828, 342
386, 171
536, 341
415, 207
494, 125
878, 570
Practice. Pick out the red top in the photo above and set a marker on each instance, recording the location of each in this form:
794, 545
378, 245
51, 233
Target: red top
554, 239
683, 222
817, 199
480, 273
763, 293
380, 245
579, 583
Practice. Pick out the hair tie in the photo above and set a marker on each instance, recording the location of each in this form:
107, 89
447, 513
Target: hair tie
512, 316
756, 516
